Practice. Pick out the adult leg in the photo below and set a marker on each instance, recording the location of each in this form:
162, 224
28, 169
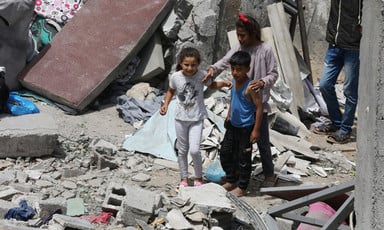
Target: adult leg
195, 132
265, 148
333, 64
182, 130
351, 84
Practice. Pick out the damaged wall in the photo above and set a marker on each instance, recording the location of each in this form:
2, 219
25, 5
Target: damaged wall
370, 161
316, 18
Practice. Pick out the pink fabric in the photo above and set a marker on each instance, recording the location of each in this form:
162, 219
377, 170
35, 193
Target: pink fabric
58, 10
102, 218
321, 211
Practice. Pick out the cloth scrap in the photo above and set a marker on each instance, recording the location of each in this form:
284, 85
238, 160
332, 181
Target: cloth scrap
60, 11
23, 212
133, 109
102, 218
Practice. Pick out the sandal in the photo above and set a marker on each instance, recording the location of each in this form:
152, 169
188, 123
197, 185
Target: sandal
181, 184
325, 129
338, 137
197, 183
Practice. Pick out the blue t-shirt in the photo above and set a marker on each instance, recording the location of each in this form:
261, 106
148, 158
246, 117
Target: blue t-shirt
242, 109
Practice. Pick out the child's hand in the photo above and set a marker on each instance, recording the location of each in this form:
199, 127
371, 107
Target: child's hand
163, 109
255, 136
228, 84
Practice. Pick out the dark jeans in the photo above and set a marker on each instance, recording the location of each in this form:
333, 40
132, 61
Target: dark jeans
265, 148
236, 155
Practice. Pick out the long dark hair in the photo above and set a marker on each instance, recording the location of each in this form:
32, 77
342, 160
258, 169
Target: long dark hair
187, 52
250, 25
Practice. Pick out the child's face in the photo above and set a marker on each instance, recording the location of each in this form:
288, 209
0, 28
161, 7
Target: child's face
244, 37
239, 71
189, 66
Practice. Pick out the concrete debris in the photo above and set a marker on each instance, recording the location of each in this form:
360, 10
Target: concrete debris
208, 197
67, 222
176, 220
31, 135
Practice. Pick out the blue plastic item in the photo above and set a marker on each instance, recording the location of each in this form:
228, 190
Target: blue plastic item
214, 172
19, 105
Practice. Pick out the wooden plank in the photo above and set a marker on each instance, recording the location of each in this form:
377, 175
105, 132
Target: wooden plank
93, 48
287, 58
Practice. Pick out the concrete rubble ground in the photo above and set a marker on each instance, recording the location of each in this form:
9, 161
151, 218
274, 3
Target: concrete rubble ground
79, 178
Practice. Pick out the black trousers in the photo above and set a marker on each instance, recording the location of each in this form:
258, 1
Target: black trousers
264, 146
236, 155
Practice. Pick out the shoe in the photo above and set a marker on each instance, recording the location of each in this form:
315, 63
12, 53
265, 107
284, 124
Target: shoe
338, 138
325, 129
197, 183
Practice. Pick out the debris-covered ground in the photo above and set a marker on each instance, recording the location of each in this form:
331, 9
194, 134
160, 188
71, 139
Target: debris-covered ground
78, 171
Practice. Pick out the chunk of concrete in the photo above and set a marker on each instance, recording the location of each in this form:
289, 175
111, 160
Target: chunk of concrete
209, 196
152, 61
31, 135
138, 204
72, 222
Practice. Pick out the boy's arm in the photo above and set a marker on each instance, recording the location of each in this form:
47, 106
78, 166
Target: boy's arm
255, 96
220, 84
167, 99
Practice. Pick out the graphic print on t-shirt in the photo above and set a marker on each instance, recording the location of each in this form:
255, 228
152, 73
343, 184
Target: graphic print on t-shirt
188, 95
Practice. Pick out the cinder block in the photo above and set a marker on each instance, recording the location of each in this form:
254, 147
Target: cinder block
130, 202
114, 198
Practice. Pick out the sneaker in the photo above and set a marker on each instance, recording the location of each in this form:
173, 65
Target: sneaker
338, 138
325, 129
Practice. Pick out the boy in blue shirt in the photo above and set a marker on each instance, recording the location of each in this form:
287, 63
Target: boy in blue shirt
243, 124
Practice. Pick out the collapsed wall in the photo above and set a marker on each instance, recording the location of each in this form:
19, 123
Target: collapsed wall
204, 25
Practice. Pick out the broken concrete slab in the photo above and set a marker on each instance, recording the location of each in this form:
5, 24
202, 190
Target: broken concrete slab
31, 135
176, 220
68, 222
151, 61
92, 48
209, 196
288, 63
295, 144
138, 203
